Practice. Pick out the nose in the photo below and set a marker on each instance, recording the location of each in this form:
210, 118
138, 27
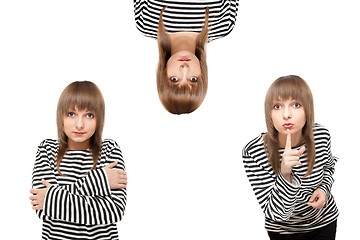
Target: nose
80, 123
184, 68
287, 113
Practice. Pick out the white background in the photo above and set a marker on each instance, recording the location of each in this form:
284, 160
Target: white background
186, 178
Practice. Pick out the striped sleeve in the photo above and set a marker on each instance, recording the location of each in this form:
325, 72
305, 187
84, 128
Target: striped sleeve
186, 16
275, 194
61, 204
93, 184
89, 200
43, 168
329, 167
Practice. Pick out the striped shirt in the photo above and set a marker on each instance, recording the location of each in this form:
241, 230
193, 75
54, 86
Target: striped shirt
285, 204
79, 205
186, 16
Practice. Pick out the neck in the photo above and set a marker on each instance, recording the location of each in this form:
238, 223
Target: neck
78, 145
183, 41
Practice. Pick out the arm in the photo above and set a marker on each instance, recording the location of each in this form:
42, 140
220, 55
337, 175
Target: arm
63, 205
81, 202
275, 194
43, 169
329, 169
91, 184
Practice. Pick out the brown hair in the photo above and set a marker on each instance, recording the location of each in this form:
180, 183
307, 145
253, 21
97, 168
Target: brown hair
289, 87
179, 99
83, 95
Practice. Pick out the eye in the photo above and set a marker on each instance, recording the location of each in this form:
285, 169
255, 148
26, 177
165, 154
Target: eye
296, 105
90, 115
174, 79
193, 79
71, 114
277, 106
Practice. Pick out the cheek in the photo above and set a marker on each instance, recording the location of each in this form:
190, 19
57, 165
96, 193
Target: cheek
92, 126
67, 125
275, 117
302, 117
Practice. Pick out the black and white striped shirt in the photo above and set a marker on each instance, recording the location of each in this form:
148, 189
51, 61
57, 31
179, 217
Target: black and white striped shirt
79, 205
186, 16
285, 204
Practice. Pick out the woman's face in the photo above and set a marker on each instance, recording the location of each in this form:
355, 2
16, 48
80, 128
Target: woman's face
79, 126
288, 116
183, 68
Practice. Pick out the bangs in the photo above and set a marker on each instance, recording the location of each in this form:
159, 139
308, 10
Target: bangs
82, 96
182, 99
288, 87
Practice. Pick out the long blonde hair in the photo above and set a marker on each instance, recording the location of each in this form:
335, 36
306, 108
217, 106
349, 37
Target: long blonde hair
289, 87
84, 95
181, 99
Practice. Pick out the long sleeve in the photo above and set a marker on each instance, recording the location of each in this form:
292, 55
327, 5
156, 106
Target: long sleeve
275, 194
43, 167
89, 200
186, 16
329, 167
285, 204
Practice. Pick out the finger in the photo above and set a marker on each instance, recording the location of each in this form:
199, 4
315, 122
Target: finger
123, 181
288, 140
313, 197
33, 191
32, 197
292, 152
37, 207
111, 165
122, 186
295, 163
302, 150
45, 183
291, 158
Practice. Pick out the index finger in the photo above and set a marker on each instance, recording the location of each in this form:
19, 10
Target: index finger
288, 140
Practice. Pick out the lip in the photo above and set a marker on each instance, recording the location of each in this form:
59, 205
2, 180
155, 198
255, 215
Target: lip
184, 59
288, 125
79, 133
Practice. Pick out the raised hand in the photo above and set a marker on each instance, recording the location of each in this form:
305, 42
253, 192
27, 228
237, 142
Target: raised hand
38, 195
290, 158
117, 178
318, 199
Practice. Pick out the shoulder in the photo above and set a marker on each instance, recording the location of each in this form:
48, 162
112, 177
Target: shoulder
50, 145
111, 152
320, 132
110, 146
254, 147
47, 149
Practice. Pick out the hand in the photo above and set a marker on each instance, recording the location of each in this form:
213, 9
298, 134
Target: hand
117, 178
318, 199
37, 199
290, 158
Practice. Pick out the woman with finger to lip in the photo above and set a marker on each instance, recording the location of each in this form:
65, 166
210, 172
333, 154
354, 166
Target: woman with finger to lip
79, 180
291, 167
182, 29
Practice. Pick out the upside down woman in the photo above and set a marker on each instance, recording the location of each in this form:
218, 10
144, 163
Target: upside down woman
290, 168
182, 29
